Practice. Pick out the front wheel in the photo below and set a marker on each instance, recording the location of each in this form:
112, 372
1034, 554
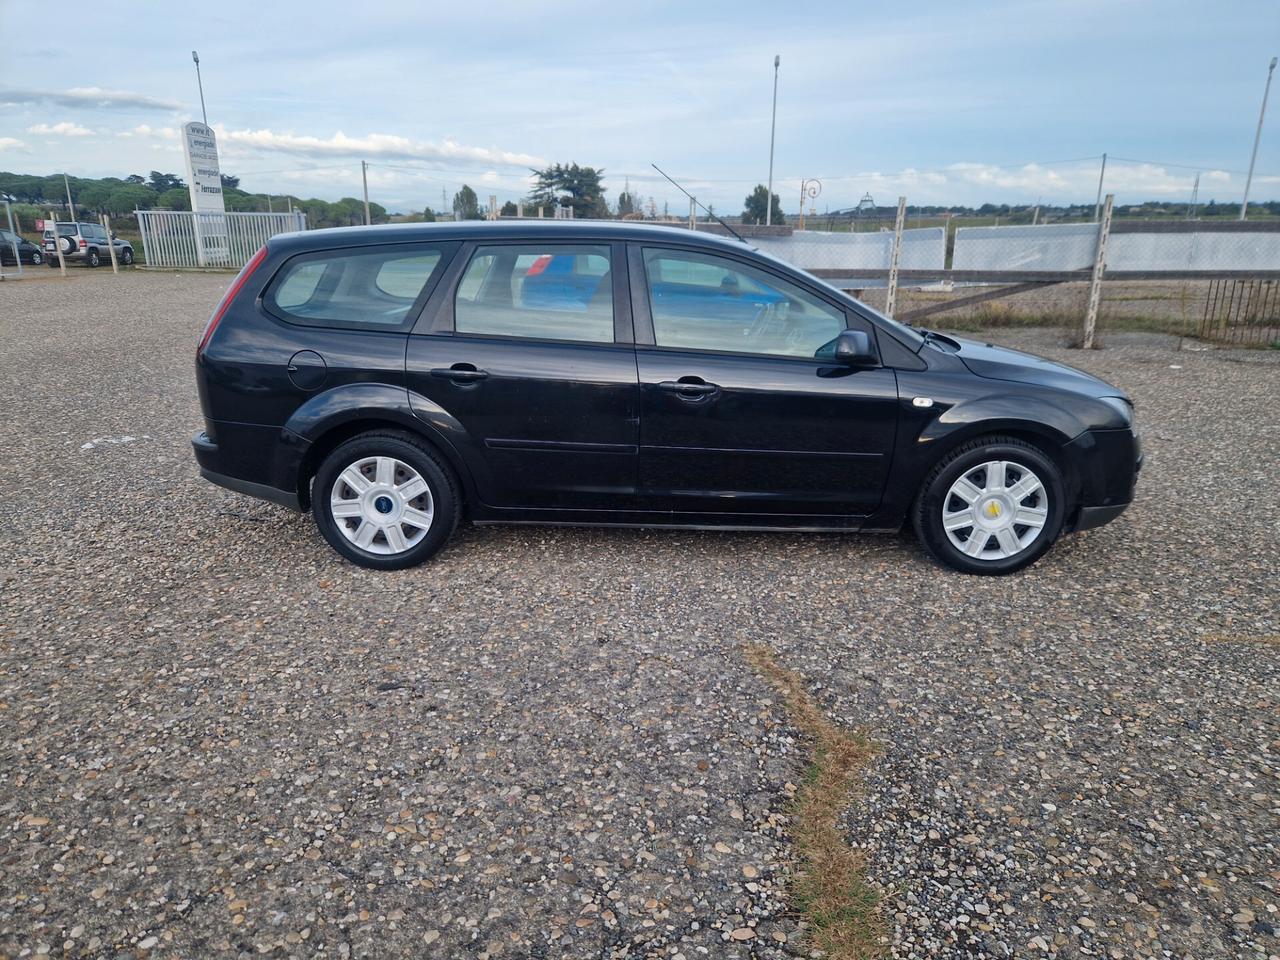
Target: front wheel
126, 257
992, 506
384, 500
36, 259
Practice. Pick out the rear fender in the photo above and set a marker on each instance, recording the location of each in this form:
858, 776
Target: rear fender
355, 402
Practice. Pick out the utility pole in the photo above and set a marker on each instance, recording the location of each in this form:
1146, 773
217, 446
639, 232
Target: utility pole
200, 83
1195, 193
1097, 206
364, 175
71, 207
773, 125
1244, 204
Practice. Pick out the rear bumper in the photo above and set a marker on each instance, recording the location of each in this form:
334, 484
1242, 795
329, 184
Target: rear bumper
272, 475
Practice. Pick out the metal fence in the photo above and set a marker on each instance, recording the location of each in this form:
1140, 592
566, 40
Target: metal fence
181, 238
922, 249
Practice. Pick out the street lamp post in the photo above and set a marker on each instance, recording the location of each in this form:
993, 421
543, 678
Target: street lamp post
808, 188
773, 125
200, 83
1244, 204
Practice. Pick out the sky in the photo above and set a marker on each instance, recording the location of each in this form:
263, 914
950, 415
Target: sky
943, 102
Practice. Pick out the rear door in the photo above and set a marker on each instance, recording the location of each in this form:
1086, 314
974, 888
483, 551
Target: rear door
526, 361
743, 408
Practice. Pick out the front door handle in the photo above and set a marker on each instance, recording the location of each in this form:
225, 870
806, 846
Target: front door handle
690, 388
460, 373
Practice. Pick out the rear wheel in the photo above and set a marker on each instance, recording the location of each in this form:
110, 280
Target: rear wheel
993, 506
93, 259
384, 500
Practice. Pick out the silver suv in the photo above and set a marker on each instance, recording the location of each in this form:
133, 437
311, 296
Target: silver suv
85, 242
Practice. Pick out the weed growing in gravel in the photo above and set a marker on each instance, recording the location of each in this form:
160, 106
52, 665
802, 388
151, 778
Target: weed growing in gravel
830, 888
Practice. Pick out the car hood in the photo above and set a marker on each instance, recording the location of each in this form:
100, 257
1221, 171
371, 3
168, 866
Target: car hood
1000, 363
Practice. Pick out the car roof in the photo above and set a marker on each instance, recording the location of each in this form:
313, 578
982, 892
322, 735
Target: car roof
481, 230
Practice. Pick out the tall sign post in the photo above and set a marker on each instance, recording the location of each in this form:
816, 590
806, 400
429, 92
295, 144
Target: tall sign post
204, 181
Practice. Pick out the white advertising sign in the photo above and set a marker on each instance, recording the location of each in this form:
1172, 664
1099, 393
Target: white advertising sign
203, 176
204, 180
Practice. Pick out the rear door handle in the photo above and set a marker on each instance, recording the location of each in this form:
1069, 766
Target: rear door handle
460, 374
690, 390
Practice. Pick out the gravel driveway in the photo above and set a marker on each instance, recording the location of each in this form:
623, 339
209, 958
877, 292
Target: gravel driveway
219, 739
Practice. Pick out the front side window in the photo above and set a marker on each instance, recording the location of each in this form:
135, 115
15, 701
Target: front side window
366, 288
705, 302
537, 291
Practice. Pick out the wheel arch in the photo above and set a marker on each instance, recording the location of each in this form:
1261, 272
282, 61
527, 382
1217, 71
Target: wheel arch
331, 418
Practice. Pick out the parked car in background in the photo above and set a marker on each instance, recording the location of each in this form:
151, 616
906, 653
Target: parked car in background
27, 252
84, 243
392, 379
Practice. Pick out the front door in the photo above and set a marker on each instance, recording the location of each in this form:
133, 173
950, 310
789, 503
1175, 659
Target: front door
743, 407
529, 355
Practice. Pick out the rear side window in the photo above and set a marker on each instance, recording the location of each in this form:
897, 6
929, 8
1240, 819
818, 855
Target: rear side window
372, 287
537, 292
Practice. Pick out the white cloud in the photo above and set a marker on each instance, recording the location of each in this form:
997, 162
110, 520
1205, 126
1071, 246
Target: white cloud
64, 129
10, 143
89, 97
149, 132
384, 145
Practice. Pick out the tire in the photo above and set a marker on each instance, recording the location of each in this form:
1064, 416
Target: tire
53, 263
68, 245
1031, 489
126, 256
92, 258
36, 259
428, 518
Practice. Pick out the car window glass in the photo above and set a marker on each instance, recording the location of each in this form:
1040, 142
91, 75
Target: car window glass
537, 291
705, 302
375, 288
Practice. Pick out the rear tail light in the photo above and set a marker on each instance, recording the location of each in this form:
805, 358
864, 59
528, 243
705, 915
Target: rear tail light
83, 244
232, 292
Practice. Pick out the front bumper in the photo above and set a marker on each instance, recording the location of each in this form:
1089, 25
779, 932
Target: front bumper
1105, 464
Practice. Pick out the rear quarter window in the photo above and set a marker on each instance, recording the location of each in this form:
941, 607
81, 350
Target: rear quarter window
374, 288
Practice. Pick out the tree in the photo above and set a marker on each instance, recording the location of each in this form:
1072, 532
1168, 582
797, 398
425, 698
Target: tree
627, 205
130, 197
466, 205
229, 182
572, 186
176, 199
428, 215
160, 182
135, 178
754, 210
509, 209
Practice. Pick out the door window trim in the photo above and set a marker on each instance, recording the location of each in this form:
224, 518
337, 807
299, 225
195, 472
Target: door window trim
438, 319
643, 316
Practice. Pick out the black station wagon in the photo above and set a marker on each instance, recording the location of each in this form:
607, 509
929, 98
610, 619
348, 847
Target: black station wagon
393, 379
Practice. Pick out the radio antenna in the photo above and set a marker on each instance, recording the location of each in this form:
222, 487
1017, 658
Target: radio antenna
699, 203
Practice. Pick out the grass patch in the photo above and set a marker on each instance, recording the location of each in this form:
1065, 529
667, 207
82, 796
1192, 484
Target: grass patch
830, 887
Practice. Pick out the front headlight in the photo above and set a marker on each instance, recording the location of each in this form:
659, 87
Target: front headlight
1122, 407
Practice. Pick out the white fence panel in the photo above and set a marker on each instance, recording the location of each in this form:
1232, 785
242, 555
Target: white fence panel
1070, 246
180, 238
1057, 246
922, 249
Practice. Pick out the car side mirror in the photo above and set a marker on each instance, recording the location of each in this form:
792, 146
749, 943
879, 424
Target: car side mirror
854, 348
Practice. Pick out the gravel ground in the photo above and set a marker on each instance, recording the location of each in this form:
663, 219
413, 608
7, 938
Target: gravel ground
219, 739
